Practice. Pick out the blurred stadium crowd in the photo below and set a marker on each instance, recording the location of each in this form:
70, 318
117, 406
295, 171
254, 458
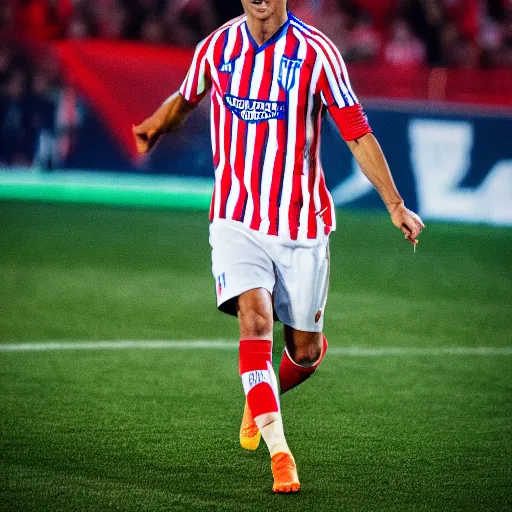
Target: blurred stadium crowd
412, 33
38, 113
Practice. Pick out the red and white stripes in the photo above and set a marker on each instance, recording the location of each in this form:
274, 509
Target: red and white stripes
266, 138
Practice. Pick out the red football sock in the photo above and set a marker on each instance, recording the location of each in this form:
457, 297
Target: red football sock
291, 374
258, 377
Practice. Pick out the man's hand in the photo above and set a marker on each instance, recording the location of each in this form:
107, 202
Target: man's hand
169, 117
146, 134
407, 221
370, 158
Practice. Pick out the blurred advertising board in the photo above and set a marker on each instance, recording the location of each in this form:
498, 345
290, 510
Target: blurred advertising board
449, 165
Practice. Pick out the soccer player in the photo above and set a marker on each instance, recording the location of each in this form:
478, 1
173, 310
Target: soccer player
272, 77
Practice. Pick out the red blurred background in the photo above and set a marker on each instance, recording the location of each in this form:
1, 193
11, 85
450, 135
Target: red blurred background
439, 50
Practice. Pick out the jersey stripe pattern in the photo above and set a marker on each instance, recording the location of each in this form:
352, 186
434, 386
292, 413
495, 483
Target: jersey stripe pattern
266, 112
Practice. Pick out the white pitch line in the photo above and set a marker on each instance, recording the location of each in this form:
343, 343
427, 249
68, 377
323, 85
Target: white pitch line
118, 345
419, 351
233, 345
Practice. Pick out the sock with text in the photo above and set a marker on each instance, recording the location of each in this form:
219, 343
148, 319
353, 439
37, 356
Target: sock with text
260, 387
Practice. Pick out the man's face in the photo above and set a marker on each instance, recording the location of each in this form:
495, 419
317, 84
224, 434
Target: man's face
263, 9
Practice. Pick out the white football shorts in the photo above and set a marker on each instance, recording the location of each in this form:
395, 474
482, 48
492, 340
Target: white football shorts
296, 273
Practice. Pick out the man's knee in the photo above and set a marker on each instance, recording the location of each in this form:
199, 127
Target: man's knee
255, 315
307, 355
254, 324
304, 348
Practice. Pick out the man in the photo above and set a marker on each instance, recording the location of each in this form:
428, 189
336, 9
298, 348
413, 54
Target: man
271, 78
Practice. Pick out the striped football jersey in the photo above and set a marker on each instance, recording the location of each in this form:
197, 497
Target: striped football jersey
266, 112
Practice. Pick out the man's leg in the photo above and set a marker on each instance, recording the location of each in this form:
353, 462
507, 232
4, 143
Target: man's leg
303, 353
255, 316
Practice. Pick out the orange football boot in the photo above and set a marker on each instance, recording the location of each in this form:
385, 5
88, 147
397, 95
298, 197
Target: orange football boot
249, 433
285, 473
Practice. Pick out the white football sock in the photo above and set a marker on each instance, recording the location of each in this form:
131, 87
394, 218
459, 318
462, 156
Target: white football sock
272, 431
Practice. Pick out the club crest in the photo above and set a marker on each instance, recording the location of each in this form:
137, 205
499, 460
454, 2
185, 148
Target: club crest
287, 72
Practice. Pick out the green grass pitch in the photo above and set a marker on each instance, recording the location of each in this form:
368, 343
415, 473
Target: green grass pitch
154, 430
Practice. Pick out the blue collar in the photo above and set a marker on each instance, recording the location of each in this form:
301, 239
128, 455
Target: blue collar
281, 30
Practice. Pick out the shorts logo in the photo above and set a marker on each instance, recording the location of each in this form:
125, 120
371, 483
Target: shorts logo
287, 72
255, 111
221, 283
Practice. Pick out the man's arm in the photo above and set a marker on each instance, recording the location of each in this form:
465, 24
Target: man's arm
169, 117
369, 156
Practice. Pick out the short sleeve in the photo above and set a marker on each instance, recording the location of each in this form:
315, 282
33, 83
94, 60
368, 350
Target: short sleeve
339, 98
197, 81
